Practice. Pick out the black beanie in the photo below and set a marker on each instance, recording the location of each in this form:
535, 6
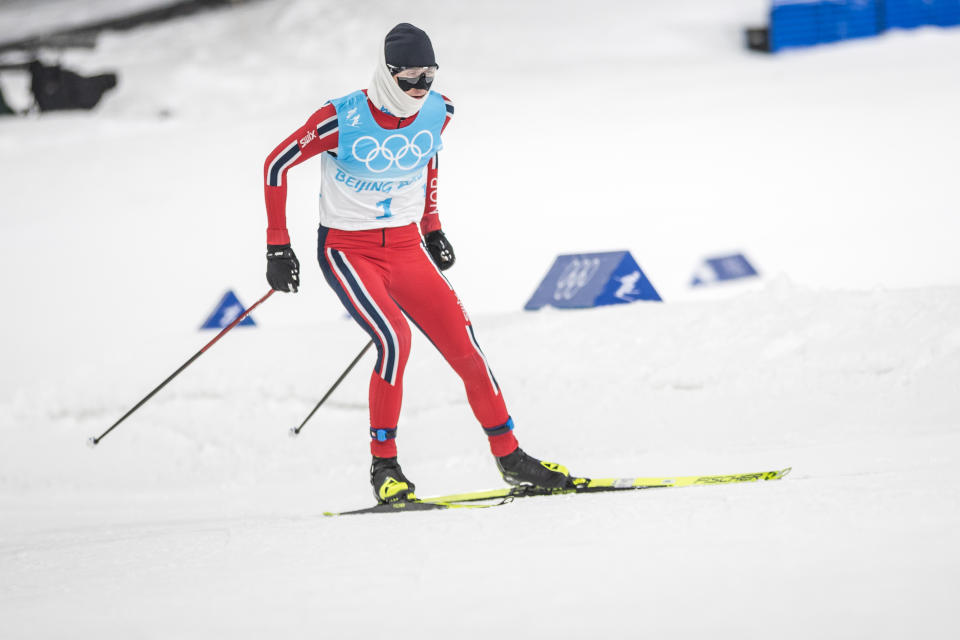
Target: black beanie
408, 46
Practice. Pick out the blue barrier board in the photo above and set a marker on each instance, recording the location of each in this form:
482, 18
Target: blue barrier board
723, 268
583, 280
227, 310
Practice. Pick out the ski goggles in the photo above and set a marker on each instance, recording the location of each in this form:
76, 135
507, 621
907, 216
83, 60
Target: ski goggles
414, 77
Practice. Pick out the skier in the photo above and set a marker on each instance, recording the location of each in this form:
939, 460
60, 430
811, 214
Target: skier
379, 179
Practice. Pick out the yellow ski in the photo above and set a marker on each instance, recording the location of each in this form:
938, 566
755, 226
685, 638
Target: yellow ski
597, 485
402, 506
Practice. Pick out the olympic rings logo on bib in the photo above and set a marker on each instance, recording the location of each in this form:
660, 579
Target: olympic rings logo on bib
397, 151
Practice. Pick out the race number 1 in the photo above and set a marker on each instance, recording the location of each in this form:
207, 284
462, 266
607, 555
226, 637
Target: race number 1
385, 205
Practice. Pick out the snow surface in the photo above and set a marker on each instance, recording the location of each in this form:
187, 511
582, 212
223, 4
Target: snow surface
640, 126
20, 19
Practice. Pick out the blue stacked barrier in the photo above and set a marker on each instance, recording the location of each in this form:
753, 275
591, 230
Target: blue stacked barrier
909, 14
805, 23
846, 19
793, 24
949, 15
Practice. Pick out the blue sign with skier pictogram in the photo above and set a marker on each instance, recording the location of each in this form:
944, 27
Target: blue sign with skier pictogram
582, 280
723, 268
227, 310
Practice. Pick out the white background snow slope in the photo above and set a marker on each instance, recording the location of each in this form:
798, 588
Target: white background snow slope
21, 19
579, 127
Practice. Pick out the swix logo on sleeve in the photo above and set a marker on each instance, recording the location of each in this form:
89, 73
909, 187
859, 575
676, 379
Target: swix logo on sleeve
307, 139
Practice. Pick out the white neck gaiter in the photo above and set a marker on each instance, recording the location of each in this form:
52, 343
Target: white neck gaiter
385, 93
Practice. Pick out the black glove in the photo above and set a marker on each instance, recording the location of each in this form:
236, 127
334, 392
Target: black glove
440, 249
283, 268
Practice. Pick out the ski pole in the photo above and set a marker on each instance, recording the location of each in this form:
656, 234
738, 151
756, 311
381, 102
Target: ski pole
94, 441
295, 431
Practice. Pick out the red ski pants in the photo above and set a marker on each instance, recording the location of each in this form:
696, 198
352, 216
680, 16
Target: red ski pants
380, 275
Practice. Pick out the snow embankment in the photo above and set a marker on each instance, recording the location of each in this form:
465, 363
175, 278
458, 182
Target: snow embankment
200, 505
646, 388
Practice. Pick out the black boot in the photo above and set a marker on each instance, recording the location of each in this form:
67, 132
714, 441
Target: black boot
520, 469
389, 483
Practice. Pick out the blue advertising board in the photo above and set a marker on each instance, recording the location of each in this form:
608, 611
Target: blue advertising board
227, 310
582, 280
